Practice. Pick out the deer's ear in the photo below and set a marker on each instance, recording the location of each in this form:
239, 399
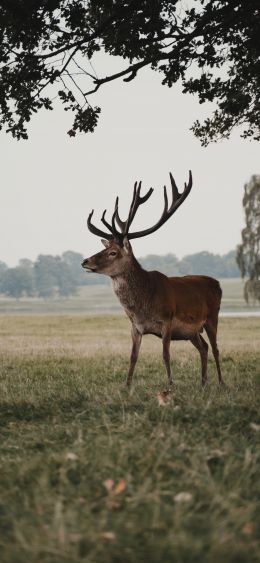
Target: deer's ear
127, 245
105, 242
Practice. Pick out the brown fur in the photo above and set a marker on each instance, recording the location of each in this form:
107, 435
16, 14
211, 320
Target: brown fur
172, 308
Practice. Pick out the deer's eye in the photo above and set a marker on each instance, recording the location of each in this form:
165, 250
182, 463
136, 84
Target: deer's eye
113, 253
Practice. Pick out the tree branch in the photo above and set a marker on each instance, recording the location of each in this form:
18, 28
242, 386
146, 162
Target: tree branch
133, 69
94, 35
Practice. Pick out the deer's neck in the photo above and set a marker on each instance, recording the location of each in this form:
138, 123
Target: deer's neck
132, 287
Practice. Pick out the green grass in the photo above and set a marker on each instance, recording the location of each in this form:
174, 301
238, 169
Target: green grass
67, 426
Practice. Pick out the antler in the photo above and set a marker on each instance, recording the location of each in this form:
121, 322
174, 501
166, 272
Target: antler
137, 200
123, 225
177, 200
112, 228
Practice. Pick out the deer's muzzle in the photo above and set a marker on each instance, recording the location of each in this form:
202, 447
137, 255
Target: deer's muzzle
87, 266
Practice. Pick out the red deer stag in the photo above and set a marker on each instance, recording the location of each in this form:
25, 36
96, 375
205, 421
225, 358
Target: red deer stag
173, 308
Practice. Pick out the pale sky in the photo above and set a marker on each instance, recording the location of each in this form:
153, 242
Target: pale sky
51, 182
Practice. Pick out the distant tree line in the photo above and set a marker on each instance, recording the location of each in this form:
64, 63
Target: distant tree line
204, 263
47, 277
61, 276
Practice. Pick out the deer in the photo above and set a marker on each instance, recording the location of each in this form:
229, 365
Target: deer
171, 308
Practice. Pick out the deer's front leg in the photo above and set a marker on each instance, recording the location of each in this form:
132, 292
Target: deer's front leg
136, 343
166, 339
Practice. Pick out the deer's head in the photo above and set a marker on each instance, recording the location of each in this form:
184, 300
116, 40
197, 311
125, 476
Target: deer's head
117, 254
112, 261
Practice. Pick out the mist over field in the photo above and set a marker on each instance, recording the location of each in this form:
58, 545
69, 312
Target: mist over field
62, 276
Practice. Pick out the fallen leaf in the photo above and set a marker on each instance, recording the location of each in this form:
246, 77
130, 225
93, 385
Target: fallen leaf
71, 456
109, 536
108, 484
119, 488
215, 454
183, 497
254, 426
113, 491
163, 398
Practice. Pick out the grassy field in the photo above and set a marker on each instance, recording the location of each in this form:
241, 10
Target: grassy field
100, 299
92, 473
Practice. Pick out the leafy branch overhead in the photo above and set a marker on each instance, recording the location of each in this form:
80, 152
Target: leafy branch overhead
48, 50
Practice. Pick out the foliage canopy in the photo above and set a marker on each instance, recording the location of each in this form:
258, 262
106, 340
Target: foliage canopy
48, 48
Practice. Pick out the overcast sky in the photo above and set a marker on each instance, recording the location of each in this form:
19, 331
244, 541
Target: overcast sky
51, 182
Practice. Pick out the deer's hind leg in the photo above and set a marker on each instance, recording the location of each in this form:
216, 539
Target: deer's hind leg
136, 343
211, 330
198, 341
166, 340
